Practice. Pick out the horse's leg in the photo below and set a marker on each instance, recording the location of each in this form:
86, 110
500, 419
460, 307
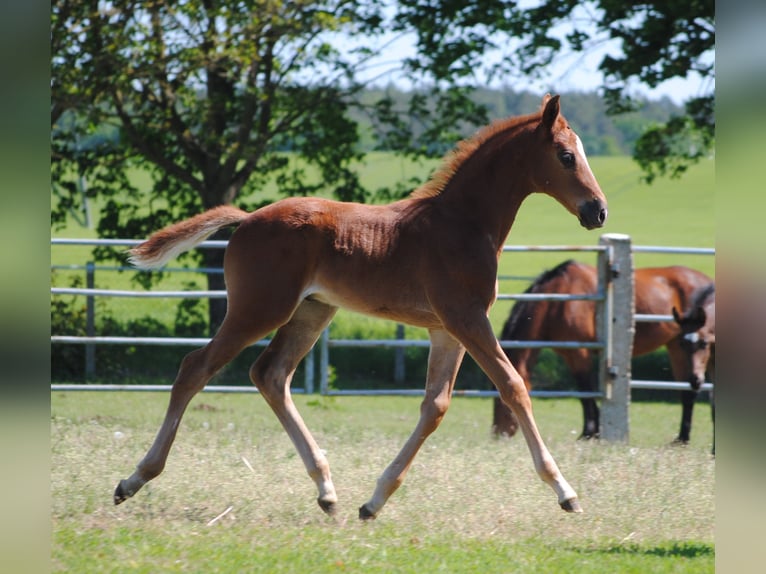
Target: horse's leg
482, 345
688, 399
590, 411
712, 414
444, 359
272, 374
503, 421
711, 378
196, 369
680, 366
580, 363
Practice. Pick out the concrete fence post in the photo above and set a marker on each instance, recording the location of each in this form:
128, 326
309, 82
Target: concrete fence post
615, 326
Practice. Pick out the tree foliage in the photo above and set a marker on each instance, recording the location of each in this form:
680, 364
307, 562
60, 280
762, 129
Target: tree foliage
654, 41
205, 96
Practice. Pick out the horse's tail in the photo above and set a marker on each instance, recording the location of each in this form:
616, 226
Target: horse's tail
179, 237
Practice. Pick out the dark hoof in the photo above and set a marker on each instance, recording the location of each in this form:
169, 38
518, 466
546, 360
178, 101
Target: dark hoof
589, 436
365, 514
680, 442
327, 506
121, 494
571, 505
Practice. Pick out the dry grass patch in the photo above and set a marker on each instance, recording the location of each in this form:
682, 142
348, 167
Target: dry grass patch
235, 485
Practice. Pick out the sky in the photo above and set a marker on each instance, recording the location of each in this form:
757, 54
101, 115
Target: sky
570, 72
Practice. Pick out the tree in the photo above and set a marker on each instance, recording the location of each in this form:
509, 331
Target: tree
204, 95
655, 41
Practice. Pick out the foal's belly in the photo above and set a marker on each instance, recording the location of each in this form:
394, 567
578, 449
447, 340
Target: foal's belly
396, 306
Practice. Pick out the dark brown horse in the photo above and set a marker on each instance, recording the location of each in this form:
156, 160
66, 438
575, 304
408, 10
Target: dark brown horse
697, 324
429, 260
658, 290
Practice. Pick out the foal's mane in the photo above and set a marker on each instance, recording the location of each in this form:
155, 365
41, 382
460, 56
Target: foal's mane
464, 149
701, 295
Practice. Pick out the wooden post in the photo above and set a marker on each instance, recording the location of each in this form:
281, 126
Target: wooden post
616, 327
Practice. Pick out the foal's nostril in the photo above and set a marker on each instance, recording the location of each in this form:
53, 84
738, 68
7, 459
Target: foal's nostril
593, 214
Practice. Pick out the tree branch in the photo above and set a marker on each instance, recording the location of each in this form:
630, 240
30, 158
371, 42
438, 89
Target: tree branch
151, 152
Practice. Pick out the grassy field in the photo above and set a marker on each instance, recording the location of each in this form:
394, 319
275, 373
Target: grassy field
469, 504
669, 212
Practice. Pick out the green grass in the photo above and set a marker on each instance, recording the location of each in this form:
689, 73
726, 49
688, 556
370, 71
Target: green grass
469, 504
669, 212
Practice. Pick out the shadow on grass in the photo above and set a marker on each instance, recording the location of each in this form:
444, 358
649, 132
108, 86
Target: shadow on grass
669, 550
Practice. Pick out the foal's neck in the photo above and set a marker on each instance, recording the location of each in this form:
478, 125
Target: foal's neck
489, 186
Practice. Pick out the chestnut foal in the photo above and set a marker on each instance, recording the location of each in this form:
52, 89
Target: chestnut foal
429, 260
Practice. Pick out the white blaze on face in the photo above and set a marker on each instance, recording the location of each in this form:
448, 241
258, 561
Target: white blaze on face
581, 150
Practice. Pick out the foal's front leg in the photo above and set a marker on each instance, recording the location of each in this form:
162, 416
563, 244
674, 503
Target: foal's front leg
444, 360
482, 345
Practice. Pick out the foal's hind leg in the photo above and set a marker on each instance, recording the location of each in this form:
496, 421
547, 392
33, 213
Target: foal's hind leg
443, 362
272, 373
197, 368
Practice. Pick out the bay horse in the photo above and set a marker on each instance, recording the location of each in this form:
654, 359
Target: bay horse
657, 291
697, 324
429, 260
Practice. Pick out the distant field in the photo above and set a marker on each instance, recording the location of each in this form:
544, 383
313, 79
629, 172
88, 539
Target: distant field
469, 504
669, 212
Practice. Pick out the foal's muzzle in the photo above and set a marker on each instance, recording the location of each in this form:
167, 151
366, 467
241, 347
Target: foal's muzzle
593, 214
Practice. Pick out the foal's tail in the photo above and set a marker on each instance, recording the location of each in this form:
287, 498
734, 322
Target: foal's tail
175, 239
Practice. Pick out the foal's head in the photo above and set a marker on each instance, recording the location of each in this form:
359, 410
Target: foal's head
561, 169
698, 334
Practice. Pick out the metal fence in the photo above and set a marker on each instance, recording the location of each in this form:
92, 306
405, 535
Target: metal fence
324, 344
615, 319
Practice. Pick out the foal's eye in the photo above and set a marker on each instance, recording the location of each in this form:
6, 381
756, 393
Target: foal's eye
567, 159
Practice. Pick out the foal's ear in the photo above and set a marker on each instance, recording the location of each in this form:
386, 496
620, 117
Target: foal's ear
550, 111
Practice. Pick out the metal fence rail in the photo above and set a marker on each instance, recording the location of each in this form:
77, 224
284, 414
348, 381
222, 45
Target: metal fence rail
602, 298
325, 343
